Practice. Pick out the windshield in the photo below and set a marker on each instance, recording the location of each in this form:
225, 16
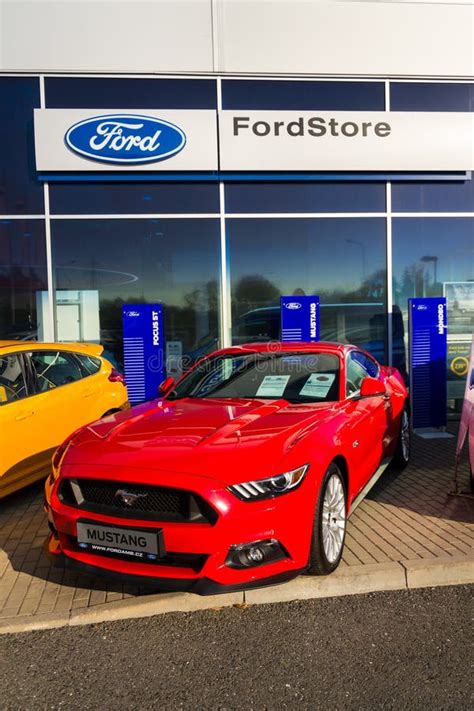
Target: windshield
296, 377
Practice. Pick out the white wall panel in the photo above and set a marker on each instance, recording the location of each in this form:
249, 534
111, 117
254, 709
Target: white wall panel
352, 37
106, 35
370, 37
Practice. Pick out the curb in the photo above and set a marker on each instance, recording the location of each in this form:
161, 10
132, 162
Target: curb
353, 580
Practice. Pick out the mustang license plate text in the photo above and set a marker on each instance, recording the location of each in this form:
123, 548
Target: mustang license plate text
132, 543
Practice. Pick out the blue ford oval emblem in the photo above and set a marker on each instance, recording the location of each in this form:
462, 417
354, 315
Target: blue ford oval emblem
293, 305
125, 138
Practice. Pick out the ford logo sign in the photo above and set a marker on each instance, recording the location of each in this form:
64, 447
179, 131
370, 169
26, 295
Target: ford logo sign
125, 138
293, 305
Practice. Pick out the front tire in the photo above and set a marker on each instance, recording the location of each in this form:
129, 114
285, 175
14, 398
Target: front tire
402, 453
329, 527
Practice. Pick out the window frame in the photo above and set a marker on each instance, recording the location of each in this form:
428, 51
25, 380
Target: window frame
26, 376
35, 377
356, 394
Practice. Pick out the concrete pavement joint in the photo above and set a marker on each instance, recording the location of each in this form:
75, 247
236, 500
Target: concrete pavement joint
353, 580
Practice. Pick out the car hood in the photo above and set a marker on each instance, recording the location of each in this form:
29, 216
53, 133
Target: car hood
207, 437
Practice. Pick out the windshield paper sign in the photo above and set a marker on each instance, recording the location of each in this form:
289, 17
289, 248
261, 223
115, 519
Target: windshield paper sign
143, 349
299, 318
428, 354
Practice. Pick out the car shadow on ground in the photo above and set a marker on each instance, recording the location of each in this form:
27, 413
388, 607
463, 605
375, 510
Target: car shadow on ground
23, 533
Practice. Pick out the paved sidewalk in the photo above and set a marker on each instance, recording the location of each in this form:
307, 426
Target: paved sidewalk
408, 518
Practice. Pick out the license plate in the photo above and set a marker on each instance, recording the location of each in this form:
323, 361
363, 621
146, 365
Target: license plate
129, 543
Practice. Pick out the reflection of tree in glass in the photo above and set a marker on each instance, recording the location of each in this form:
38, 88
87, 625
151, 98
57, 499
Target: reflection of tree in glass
373, 288
253, 291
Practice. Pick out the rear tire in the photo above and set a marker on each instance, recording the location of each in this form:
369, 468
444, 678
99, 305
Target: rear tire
402, 453
329, 526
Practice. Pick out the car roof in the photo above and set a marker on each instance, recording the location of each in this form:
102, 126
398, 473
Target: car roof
21, 346
279, 346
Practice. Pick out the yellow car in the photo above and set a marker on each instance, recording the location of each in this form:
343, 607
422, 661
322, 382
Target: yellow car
48, 390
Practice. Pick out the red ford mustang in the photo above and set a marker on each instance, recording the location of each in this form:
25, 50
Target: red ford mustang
241, 475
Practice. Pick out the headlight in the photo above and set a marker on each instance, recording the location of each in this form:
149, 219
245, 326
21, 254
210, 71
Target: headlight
268, 488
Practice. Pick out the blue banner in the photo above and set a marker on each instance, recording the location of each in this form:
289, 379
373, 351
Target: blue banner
299, 318
428, 353
144, 349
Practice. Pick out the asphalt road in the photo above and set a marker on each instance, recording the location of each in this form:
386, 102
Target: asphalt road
400, 650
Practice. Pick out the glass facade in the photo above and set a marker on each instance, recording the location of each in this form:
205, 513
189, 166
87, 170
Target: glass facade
343, 260
23, 275
170, 261
206, 250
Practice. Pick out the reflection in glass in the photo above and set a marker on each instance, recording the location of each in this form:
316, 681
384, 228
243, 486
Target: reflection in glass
22, 277
304, 197
130, 198
20, 191
174, 262
435, 257
433, 197
341, 260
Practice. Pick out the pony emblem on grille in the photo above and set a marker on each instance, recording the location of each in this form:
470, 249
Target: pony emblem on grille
128, 497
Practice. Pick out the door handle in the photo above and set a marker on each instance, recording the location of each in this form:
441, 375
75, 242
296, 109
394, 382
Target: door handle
88, 393
24, 416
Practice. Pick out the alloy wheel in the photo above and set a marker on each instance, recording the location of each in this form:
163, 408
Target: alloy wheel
333, 518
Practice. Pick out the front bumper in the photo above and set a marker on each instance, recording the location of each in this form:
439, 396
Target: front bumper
288, 519
199, 586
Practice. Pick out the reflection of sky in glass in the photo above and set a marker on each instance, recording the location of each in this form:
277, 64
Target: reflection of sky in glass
162, 260
310, 254
20, 190
428, 252
22, 274
433, 197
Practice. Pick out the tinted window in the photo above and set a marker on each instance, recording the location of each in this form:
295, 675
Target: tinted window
355, 373
134, 93
431, 97
304, 197
20, 191
23, 277
106, 263
298, 378
54, 369
12, 379
129, 198
370, 366
303, 95
434, 256
343, 260
433, 197
89, 364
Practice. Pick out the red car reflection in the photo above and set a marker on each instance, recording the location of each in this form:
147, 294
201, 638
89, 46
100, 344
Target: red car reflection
241, 475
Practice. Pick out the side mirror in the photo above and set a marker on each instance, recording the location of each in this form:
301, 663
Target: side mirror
166, 386
372, 386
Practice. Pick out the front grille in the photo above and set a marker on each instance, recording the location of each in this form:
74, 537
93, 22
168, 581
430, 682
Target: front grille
139, 501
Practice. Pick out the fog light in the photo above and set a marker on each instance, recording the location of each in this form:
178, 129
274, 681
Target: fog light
250, 555
255, 555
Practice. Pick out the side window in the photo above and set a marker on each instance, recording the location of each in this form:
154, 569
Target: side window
89, 364
54, 369
369, 365
355, 373
12, 379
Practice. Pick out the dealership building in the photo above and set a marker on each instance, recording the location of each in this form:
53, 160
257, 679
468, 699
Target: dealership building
214, 155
